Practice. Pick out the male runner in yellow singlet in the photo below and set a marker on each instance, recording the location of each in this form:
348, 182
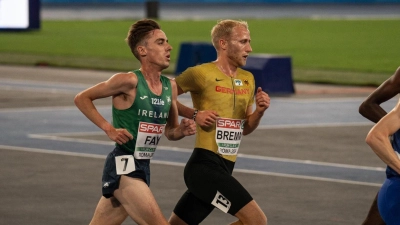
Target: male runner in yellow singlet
223, 95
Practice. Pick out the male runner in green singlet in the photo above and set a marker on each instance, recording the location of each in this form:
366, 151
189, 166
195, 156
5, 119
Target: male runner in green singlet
223, 96
371, 109
143, 108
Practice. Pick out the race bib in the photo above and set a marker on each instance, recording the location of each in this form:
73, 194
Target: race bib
149, 134
124, 164
221, 202
228, 135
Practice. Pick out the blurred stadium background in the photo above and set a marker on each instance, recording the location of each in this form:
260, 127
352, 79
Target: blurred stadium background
318, 130
338, 42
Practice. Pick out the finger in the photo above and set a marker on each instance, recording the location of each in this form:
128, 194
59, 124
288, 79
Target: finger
215, 113
259, 89
118, 141
124, 138
127, 134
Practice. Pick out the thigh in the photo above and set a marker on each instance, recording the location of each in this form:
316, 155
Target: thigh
216, 186
373, 216
110, 178
389, 201
109, 212
191, 209
139, 202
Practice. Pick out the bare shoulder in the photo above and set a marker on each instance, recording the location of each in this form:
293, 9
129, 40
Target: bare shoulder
173, 82
124, 76
124, 79
173, 86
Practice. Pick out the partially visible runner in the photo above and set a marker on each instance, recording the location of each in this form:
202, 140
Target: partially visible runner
379, 140
372, 110
223, 95
143, 108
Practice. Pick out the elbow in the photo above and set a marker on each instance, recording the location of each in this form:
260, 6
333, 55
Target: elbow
369, 139
363, 108
77, 99
375, 138
169, 137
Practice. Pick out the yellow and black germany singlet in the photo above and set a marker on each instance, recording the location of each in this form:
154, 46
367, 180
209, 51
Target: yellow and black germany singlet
229, 97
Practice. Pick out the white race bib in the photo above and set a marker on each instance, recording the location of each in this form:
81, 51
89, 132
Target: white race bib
149, 135
124, 164
228, 135
221, 202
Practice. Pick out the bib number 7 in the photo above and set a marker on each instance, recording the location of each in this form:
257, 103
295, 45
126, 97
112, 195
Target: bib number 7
124, 164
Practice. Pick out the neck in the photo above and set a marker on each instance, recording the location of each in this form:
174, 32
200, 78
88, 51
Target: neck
153, 81
226, 68
151, 76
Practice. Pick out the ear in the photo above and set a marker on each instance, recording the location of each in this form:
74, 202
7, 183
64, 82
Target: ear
142, 50
223, 44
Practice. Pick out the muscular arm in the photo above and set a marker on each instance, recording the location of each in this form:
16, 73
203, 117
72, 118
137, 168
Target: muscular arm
174, 130
371, 108
378, 138
117, 84
253, 118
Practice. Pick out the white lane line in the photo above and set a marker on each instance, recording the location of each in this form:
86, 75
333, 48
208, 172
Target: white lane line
177, 149
310, 125
308, 177
56, 152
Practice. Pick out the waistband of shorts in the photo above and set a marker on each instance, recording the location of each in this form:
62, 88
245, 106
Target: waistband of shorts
119, 150
204, 153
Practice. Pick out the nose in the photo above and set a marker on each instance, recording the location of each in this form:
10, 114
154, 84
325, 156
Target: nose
169, 47
249, 49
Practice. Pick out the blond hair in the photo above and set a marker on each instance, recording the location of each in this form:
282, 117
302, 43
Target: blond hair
223, 30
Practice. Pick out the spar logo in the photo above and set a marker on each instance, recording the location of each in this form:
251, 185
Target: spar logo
232, 124
151, 128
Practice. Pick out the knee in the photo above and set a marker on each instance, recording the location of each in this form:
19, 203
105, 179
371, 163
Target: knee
263, 220
259, 219
176, 220
251, 214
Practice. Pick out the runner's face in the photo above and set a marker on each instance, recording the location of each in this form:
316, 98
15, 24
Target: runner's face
239, 46
158, 49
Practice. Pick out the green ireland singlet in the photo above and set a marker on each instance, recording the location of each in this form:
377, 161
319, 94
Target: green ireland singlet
146, 118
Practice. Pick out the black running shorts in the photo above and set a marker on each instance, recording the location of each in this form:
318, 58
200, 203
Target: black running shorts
210, 184
110, 179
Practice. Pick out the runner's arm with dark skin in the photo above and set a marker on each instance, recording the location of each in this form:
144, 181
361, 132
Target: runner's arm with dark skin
371, 108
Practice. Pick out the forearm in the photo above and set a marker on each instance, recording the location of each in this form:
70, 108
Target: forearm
252, 122
371, 111
185, 111
384, 150
174, 133
87, 107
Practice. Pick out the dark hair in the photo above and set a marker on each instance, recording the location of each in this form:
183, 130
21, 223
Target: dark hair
137, 34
